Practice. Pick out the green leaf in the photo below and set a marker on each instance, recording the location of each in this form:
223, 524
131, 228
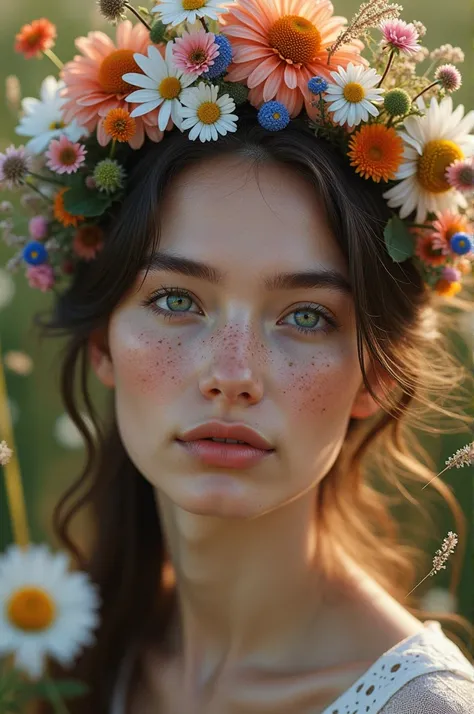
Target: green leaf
398, 239
82, 201
67, 688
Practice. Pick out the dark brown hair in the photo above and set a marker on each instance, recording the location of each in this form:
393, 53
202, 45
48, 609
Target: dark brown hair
398, 324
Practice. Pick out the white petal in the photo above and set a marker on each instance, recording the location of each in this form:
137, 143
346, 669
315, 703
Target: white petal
143, 95
140, 80
195, 131
146, 108
164, 115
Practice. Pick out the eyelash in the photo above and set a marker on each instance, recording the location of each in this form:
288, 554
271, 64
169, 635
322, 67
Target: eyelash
170, 315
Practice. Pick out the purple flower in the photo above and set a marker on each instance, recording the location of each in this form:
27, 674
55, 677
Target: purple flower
15, 164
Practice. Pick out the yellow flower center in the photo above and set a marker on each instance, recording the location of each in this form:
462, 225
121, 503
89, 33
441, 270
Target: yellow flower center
295, 39
113, 67
208, 113
354, 92
276, 115
31, 609
56, 125
432, 164
193, 4
170, 87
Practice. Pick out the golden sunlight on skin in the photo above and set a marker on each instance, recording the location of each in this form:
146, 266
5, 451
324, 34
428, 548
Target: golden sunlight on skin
242, 541
300, 388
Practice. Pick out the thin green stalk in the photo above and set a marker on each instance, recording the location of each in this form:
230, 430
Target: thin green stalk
46, 179
54, 58
112, 148
35, 188
430, 86
138, 15
55, 698
389, 64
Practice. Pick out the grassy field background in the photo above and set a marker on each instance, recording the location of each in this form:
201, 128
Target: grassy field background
50, 454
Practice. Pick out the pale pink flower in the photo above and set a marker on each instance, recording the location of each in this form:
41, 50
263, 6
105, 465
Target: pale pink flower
65, 157
94, 83
38, 227
400, 35
15, 164
40, 277
194, 52
449, 77
460, 175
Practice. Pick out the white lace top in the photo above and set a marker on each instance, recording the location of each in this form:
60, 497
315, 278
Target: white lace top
425, 673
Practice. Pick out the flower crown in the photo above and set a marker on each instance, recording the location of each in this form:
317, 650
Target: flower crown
188, 65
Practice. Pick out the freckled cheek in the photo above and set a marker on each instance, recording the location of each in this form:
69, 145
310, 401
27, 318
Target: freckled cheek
322, 387
147, 363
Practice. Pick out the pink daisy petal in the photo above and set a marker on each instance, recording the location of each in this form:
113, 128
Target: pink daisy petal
64, 156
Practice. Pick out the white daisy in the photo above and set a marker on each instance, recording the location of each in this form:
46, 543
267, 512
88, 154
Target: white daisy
205, 114
173, 12
162, 85
432, 143
351, 97
43, 119
46, 611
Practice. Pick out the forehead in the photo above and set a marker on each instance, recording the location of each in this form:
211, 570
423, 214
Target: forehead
266, 216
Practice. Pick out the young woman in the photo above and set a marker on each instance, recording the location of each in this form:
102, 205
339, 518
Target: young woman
245, 292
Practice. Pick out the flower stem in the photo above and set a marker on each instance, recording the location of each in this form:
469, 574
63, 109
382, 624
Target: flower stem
138, 15
203, 23
112, 148
54, 58
55, 698
389, 64
421, 581
430, 86
46, 179
35, 188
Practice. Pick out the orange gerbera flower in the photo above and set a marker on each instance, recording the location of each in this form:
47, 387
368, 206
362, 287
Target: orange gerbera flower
60, 213
34, 39
88, 241
120, 125
279, 45
376, 152
428, 251
447, 289
94, 83
446, 225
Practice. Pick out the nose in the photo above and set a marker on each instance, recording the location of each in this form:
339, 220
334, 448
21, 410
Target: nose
232, 376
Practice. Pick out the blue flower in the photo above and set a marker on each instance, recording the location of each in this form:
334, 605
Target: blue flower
461, 243
317, 85
34, 253
273, 116
222, 61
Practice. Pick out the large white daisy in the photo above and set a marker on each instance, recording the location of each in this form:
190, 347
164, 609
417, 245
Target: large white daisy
351, 97
43, 118
173, 12
161, 85
205, 114
46, 611
432, 143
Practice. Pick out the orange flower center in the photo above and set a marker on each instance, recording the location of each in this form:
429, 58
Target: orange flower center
208, 113
436, 157
68, 156
31, 609
170, 87
113, 68
193, 4
33, 38
295, 39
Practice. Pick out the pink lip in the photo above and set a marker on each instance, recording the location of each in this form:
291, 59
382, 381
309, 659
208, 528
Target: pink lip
233, 456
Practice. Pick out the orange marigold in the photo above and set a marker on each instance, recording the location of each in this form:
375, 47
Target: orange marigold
36, 38
376, 151
120, 125
60, 213
447, 289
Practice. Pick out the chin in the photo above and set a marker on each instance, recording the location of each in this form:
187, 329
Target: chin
217, 495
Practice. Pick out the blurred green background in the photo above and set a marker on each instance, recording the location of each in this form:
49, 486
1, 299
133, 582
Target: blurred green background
50, 451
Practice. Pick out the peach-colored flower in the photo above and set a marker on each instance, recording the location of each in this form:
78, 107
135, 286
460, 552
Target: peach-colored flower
428, 251
88, 241
279, 45
94, 83
445, 226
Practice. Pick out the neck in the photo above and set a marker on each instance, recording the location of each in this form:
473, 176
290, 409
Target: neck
250, 592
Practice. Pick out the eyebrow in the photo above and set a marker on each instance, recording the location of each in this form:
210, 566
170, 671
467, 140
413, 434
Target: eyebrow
321, 278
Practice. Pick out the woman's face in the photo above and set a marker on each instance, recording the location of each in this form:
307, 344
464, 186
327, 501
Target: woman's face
282, 358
